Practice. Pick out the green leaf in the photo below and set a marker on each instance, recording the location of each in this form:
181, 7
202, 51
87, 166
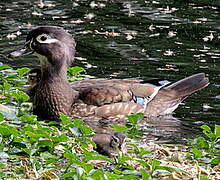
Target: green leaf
206, 128
128, 167
97, 174
45, 143
29, 151
6, 130
47, 155
128, 175
203, 178
118, 128
44, 130
202, 143
20, 96
22, 71
134, 118
155, 162
144, 174
197, 153
215, 161
97, 157
143, 152
87, 167
2, 165
208, 132
112, 176
1, 117
29, 118
117, 171
144, 164
211, 136
33, 134
51, 161
75, 70
6, 86
65, 120
122, 159
19, 144
78, 123
217, 131
60, 138
53, 123
4, 67
86, 130
68, 175
69, 155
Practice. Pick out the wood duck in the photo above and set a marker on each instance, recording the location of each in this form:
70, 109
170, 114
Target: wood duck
109, 145
53, 94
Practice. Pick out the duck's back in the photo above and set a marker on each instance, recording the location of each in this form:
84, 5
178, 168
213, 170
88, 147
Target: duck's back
121, 97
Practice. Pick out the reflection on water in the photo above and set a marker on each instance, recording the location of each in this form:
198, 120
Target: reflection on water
166, 129
132, 39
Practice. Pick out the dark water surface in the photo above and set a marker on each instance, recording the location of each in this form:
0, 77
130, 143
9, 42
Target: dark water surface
153, 39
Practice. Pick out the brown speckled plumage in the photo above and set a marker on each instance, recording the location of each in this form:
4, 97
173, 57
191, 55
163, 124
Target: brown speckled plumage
53, 93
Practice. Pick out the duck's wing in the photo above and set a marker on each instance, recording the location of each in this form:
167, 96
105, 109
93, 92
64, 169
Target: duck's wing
115, 97
119, 97
101, 91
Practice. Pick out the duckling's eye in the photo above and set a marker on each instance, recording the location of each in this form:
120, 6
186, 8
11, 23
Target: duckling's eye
115, 139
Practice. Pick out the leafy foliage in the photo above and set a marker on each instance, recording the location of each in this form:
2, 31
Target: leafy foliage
206, 149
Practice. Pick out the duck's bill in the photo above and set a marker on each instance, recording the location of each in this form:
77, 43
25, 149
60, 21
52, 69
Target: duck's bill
24, 50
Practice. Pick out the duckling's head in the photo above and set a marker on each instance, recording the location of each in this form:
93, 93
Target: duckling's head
117, 141
53, 45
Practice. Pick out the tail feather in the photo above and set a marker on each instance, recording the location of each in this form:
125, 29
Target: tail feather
189, 85
168, 98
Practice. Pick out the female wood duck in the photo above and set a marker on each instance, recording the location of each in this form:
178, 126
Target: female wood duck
53, 94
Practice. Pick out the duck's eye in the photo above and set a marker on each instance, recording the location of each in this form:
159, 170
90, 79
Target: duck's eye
46, 39
42, 38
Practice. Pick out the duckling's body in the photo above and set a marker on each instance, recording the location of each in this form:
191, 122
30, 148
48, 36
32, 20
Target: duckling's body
53, 94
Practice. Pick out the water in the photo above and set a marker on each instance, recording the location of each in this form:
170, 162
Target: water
160, 39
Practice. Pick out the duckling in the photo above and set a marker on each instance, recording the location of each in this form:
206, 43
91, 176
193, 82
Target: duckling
34, 77
109, 145
94, 97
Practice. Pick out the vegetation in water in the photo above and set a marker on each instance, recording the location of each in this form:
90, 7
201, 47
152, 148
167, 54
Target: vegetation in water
31, 149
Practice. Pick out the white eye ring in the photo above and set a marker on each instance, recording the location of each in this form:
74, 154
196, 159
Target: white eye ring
45, 39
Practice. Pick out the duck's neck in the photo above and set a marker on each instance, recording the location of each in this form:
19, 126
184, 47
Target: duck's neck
54, 93
52, 75
56, 73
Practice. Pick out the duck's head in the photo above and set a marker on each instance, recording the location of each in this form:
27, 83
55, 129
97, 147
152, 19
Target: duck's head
55, 46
